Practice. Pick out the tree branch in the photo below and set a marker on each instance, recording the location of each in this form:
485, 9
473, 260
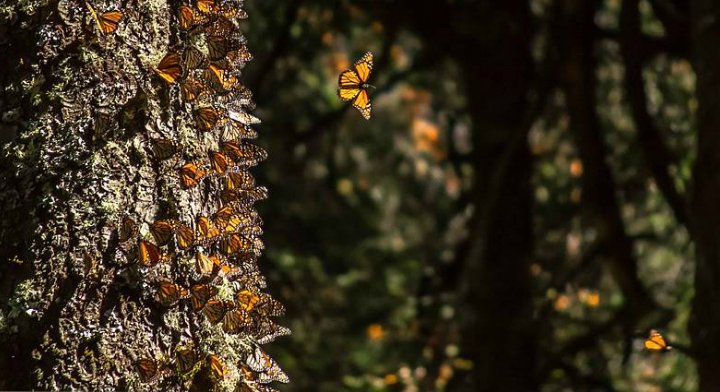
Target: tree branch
657, 155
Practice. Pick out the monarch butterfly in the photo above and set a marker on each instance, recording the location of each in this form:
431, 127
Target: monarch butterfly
223, 215
235, 320
186, 358
232, 130
169, 293
215, 310
149, 253
193, 58
169, 68
191, 89
219, 162
269, 306
252, 230
128, 229
206, 229
218, 368
147, 368
235, 58
353, 84
184, 236
107, 22
243, 117
266, 331
200, 294
235, 243
205, 264
219, 79
241, 179
186, 16
245, 154
246, 299
656, 342
237, 222
206, 6
162, 231
163, 148
218, 46
190, 175
206, 118
268, 370
244, 196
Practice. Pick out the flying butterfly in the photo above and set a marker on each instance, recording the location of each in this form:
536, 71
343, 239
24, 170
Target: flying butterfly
127, 230
190, 175
353, 84
169, 68
148, 369
169, 293
200, 294
149, 253
108, 21
185, 358
162, 231
656, 342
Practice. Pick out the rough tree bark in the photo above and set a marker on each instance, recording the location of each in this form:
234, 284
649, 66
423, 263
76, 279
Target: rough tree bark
705, 210
82, 115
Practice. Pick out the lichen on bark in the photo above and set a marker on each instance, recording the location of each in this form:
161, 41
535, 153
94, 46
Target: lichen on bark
81, 111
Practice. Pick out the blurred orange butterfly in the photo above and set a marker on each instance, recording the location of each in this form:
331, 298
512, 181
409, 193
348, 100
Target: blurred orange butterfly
169, 68
107, 21
353, 84
656, 342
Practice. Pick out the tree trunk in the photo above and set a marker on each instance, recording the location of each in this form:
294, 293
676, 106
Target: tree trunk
705, 320
497, 325
82, 112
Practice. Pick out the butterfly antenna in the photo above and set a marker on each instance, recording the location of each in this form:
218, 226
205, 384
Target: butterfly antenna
371, 86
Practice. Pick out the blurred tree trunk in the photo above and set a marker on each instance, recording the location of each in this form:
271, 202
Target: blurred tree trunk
497, 326
705, 320
79, 109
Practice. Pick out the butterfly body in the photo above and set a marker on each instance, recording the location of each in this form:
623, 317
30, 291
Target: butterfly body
353, 84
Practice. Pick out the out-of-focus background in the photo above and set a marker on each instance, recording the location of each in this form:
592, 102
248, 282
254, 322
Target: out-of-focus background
515, 209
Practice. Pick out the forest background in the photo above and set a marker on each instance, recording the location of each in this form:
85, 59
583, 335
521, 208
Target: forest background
535, 191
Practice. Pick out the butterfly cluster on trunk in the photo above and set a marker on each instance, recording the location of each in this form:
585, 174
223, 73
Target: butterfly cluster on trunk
212, 253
